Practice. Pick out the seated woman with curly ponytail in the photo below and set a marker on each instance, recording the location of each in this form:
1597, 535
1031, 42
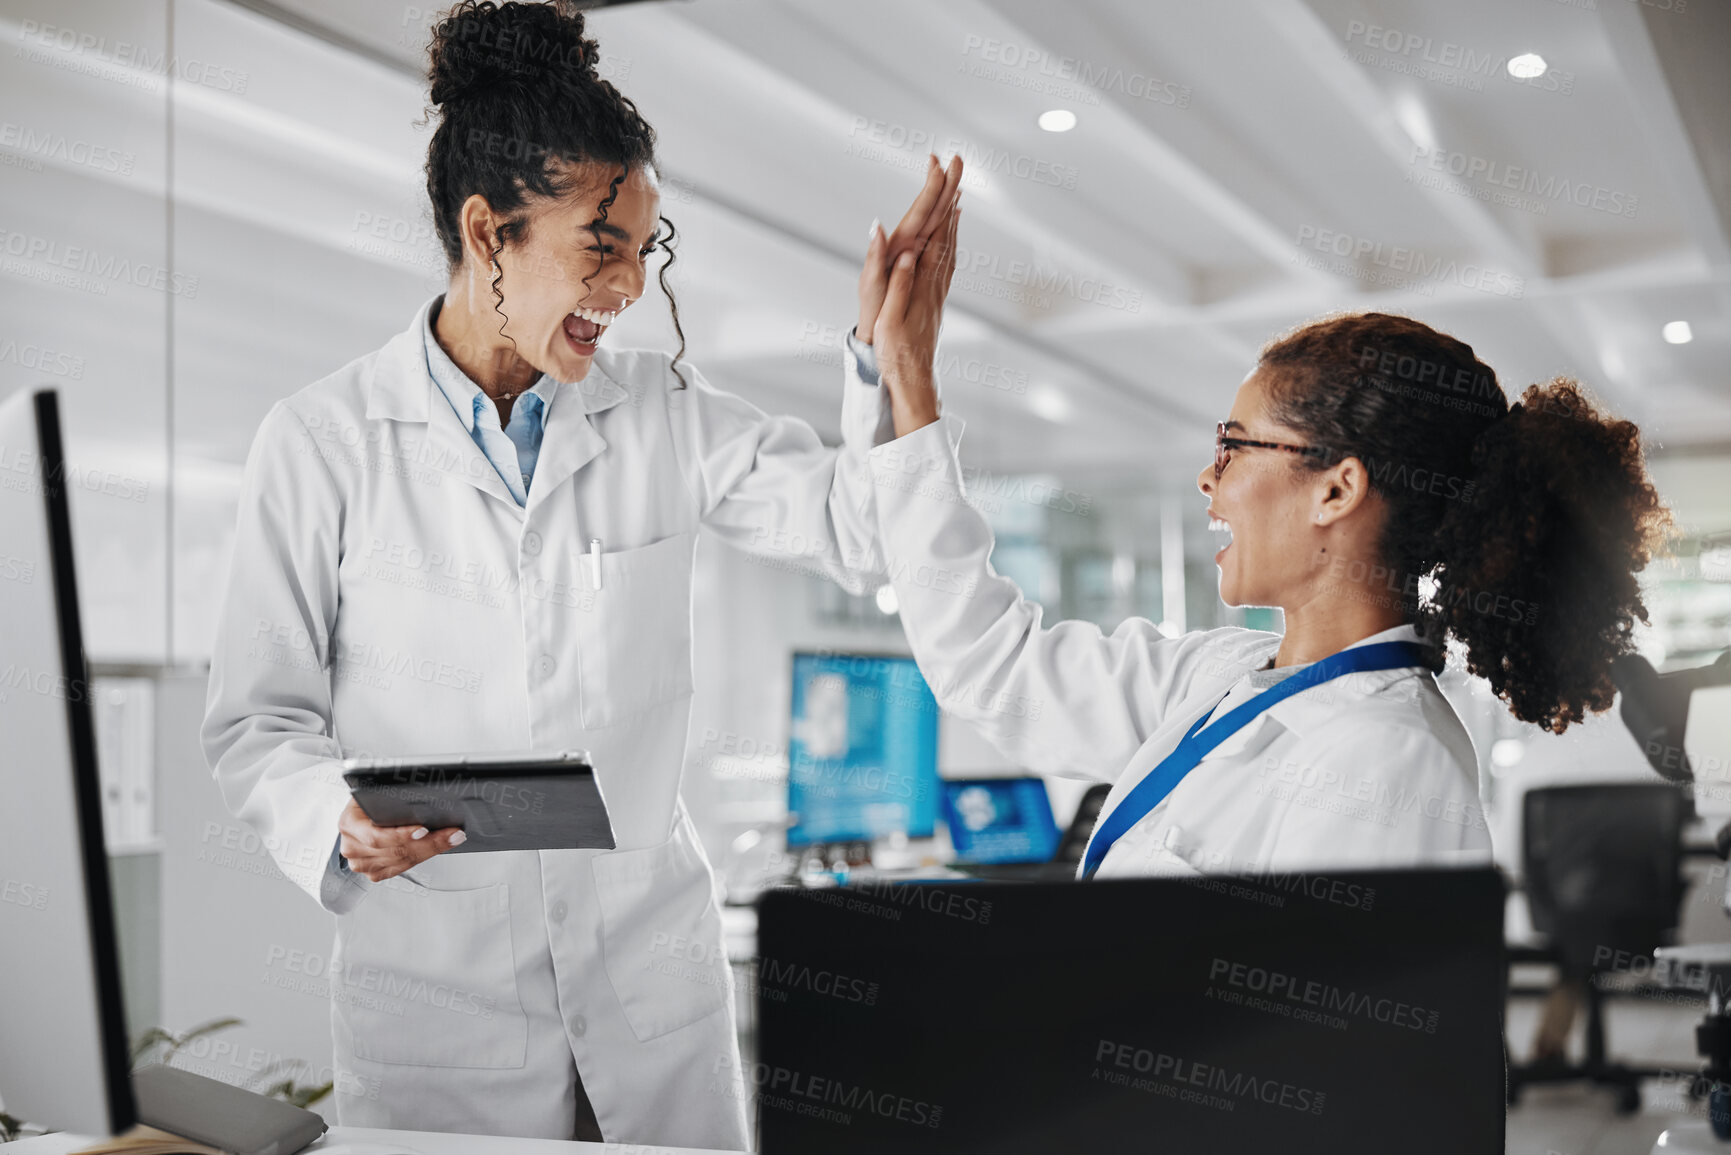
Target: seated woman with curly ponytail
1530, 520
1378, 488
479, 539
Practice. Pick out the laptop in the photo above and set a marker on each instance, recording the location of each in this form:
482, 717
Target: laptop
1323, 1013
1003, 831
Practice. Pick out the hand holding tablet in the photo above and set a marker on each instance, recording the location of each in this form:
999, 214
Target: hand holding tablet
405, 810
381, 852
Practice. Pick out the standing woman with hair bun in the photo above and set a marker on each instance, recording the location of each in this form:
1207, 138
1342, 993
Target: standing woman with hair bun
478, 539
1378, 487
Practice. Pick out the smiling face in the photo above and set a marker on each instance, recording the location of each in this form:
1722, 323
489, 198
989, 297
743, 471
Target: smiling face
1269, 505
564, 284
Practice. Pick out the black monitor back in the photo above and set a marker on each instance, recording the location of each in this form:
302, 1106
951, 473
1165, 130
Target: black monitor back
1299, 1013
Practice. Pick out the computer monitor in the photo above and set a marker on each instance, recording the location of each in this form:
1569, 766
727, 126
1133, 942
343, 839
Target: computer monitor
63, 1060
862, 749
1000, 819
1301, 1013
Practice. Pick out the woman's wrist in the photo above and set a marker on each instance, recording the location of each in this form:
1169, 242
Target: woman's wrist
913, 404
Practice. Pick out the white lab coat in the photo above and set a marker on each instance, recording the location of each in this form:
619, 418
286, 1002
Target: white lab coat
388, 597
1372, 769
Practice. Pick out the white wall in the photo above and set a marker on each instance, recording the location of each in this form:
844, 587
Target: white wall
238, 939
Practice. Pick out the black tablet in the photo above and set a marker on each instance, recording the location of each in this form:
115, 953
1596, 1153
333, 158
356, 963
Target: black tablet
524, 801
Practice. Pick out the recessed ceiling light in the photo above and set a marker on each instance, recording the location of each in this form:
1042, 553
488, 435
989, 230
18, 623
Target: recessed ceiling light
886, 599
1527, 65
1049, 403
1505, 752
1678, 332
1058, 120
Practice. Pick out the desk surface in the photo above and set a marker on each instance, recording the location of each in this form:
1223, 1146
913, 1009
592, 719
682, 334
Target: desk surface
408, 1142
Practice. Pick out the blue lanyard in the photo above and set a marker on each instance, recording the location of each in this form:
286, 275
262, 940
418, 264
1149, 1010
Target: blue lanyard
1148, 793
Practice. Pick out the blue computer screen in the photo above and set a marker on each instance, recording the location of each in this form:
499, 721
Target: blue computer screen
1000, 820
862, 751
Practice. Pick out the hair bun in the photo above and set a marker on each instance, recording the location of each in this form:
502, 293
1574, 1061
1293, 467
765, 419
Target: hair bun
483, 45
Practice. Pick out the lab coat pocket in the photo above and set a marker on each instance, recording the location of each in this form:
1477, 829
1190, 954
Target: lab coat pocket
634, 632
1245, 746
428, 978
661, 936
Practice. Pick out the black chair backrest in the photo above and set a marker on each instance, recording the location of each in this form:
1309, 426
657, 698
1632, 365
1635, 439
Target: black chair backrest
1074, 844
1606, 856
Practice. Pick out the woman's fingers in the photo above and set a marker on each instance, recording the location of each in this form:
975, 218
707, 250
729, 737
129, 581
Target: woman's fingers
927, 217
937, 264
914, 302
901, 287
922, 233
393, 856
379, 852
955, 244
944, 268
939, 217
873, 281
938, 250
908, 229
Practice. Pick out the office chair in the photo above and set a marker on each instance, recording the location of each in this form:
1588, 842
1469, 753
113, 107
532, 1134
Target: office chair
1603, 875
1075, 841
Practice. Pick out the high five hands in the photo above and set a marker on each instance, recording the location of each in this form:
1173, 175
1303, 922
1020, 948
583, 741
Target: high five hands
901, 295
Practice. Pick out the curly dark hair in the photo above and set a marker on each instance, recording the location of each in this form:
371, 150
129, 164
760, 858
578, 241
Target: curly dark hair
1532, 519
522, 107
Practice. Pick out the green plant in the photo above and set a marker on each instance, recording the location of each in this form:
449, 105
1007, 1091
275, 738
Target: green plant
159, 1046
287, 1089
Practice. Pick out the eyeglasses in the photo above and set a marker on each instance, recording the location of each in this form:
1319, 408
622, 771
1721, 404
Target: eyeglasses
1224, 445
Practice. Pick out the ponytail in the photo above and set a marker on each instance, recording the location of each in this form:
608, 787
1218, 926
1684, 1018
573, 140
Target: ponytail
1563, 517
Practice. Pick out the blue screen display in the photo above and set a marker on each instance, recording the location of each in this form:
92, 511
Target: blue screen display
1000, 820
862, 752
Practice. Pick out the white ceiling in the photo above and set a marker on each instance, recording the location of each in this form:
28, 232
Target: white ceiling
1217, 142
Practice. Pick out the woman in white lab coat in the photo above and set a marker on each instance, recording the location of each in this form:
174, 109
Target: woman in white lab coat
479, 538
1376, 486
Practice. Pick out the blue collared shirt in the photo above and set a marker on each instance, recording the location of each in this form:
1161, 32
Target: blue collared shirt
513, 449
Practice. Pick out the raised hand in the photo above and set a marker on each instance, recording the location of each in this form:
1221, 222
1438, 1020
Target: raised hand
925, 217
907, 327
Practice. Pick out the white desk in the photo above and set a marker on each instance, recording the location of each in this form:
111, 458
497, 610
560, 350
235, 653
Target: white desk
409, 1142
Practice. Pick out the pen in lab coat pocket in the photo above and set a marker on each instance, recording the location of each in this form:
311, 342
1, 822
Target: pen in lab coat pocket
595, 562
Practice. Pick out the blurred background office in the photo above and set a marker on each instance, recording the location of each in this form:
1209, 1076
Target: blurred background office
207, 204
